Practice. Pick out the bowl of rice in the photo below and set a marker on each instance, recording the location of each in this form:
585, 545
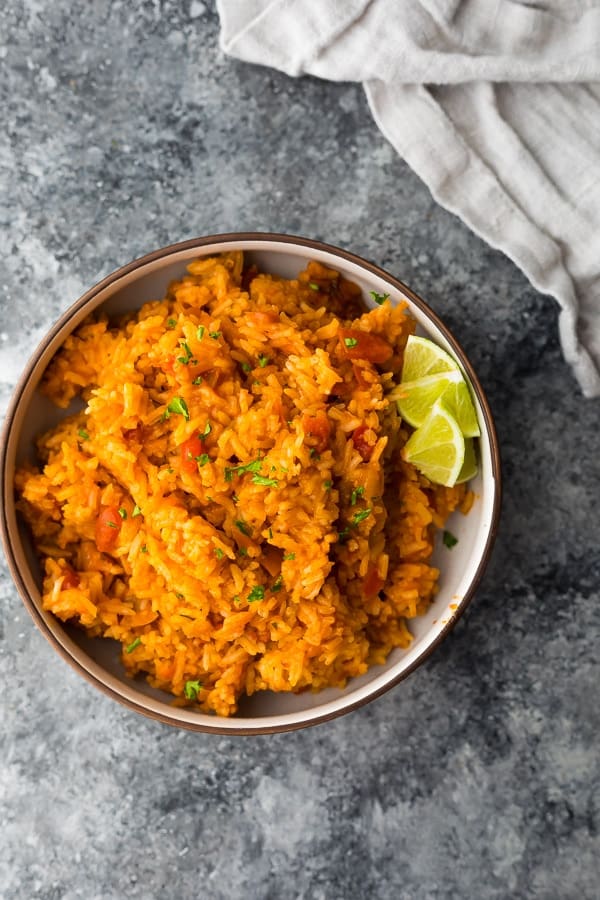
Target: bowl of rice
206, 507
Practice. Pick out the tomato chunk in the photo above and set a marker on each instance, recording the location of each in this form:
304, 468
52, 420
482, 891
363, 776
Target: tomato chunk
108, 526
361, 443
70, 580
358, 344
189, 450
317, 428
372, 583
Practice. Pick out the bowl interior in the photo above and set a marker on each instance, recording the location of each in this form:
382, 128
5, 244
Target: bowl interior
100, 658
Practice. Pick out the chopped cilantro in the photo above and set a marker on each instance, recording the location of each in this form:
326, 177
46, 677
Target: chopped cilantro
270, 534
206, 432
449, 540
83, 434
219, 553
313, 286
277, 584
359, 517
136, 511
197, 380
237, 599
343, 535
243, 552
327, 485
180, 596
166, 415
289, 556
188, 353
171, 323
215, 335
245, 529
170, 471
202, 459
257, 593
122, 512
133, 645
179, 406
356, 493
379, 298
191, 689
267, 482
200, 332
253, 466
246, 367
144, 548
111, 524
350, 342
262, 360
313, 454
235, 498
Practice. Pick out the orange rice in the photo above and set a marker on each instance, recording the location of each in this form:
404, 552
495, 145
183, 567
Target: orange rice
231, 504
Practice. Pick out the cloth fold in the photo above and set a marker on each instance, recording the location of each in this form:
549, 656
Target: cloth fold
495, 105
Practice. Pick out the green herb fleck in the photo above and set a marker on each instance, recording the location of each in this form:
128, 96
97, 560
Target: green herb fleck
206, 432
359, 517
327, 485
133, 645
257, 593
200, 332
215, 335
144, 548
266, 482
379, 298
180, 596
170, 470
253, 466
235, 498
246, 367
136, 511
277, 584
289, 556
237, 599
188, 353
197, 380
111, 524
122, 512
166, 415
179, 406
262, 360
202, 459
219, 553
245, 529
171, 323
270, 534
343, 535
449, 540
191, 689
313, 454
313, 286
350, 342
242, 551
83, 434
356, 493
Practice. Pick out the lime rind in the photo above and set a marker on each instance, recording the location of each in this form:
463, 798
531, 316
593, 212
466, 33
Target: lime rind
469, 466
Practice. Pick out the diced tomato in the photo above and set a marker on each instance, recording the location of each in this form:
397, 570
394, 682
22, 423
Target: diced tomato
372, 583
361, 443
358, 344
70, 580
189, 450
318, 429
108, 526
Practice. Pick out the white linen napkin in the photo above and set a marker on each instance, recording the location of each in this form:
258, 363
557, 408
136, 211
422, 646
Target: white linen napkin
495, 104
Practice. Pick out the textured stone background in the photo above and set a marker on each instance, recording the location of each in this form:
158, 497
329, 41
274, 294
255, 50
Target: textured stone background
125, 128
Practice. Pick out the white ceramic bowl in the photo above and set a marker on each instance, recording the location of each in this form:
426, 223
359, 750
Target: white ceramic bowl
99, 660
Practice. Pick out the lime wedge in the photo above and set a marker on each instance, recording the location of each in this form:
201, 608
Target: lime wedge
437, 448
469, 466
415, 398
457, 400
422, 357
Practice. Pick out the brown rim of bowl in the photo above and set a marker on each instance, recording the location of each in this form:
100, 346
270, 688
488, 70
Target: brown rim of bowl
199, 243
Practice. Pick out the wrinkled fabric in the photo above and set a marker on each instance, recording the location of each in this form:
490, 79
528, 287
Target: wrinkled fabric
495, 104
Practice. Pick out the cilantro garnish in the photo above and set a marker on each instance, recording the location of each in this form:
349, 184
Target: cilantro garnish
350, 341
83, 434
219, 553
242, 551
289, 556
202, 459
144, 548
197, 380
215, 335
191, 689
253, 466
327, 485
200, 332
313, 286
111, 524
257, 593
188, 353
245, 529
133, 645
136, 511
180, 596
449, 540
359, 517
343, 535
206, 432
356, 493
379, 298
179, 406
262, 360
122, 512
246, 367
171, 323
267, 482
270, 534
277, 584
